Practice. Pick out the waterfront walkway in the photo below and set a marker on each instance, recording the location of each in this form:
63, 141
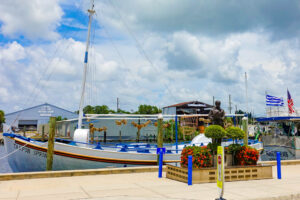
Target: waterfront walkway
141, 186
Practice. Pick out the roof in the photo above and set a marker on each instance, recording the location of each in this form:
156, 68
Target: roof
286, 118
45, 104
190, 102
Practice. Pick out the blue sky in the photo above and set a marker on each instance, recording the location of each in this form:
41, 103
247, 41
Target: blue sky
148, 52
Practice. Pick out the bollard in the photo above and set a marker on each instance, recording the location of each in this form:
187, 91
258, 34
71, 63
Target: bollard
160, 164
278, 165
160, 152
190, 170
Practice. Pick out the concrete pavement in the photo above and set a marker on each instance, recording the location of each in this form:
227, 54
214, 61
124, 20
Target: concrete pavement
140, 186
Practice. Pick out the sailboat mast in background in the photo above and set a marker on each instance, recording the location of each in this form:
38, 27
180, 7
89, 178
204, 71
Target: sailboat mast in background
91, 12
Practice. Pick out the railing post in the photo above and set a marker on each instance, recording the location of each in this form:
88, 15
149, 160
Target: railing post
278, 165
190, 170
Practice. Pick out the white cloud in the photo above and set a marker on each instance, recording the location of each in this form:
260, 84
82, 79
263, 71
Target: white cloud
4, 97
12, 51
33, 19
153, 65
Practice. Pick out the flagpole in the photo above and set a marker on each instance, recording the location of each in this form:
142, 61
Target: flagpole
287, 100
266, 105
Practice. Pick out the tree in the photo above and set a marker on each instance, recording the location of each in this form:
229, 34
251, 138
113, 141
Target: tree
123, 111
101, 109
88, 109
58, 118
148, 109
2, 118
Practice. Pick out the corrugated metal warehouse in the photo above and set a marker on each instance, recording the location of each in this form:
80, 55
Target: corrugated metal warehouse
30, 118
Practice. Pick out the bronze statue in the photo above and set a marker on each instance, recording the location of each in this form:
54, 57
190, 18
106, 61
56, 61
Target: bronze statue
217, 114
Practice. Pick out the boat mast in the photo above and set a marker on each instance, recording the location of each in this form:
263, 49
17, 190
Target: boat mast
91, 12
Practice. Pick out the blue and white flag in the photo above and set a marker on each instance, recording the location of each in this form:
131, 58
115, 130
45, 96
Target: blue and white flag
274, 101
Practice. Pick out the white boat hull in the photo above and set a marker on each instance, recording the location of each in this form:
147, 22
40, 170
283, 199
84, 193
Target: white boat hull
28, 156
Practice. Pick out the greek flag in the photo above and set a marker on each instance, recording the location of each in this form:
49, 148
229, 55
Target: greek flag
274, 101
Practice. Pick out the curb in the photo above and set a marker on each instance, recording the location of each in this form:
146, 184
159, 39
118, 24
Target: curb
69, 173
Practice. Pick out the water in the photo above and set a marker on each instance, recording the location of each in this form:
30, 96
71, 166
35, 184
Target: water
4, 166
269, 153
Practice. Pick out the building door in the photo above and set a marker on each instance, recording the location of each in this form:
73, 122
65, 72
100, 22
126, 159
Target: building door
29, 125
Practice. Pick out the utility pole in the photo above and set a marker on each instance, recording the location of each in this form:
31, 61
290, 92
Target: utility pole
213, 100
230, 104
118, 104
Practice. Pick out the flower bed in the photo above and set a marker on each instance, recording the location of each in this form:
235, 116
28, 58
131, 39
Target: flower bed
247, 156
234, 155
201, 157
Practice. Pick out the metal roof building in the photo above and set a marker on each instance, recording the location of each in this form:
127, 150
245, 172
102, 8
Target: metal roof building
30, 118
190, 107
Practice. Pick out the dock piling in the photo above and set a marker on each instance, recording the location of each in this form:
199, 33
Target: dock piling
160, 131
245, 129
104, 137
43, 133
52, 125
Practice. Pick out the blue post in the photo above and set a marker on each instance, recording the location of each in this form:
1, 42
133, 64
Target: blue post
278, 166
190, 170
160, 164
176, 132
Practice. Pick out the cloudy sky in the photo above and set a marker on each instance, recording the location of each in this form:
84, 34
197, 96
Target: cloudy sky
157, 52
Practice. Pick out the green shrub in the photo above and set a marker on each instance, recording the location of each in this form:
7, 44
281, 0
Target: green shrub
235, 133
215, 132
233, 148
213, 147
